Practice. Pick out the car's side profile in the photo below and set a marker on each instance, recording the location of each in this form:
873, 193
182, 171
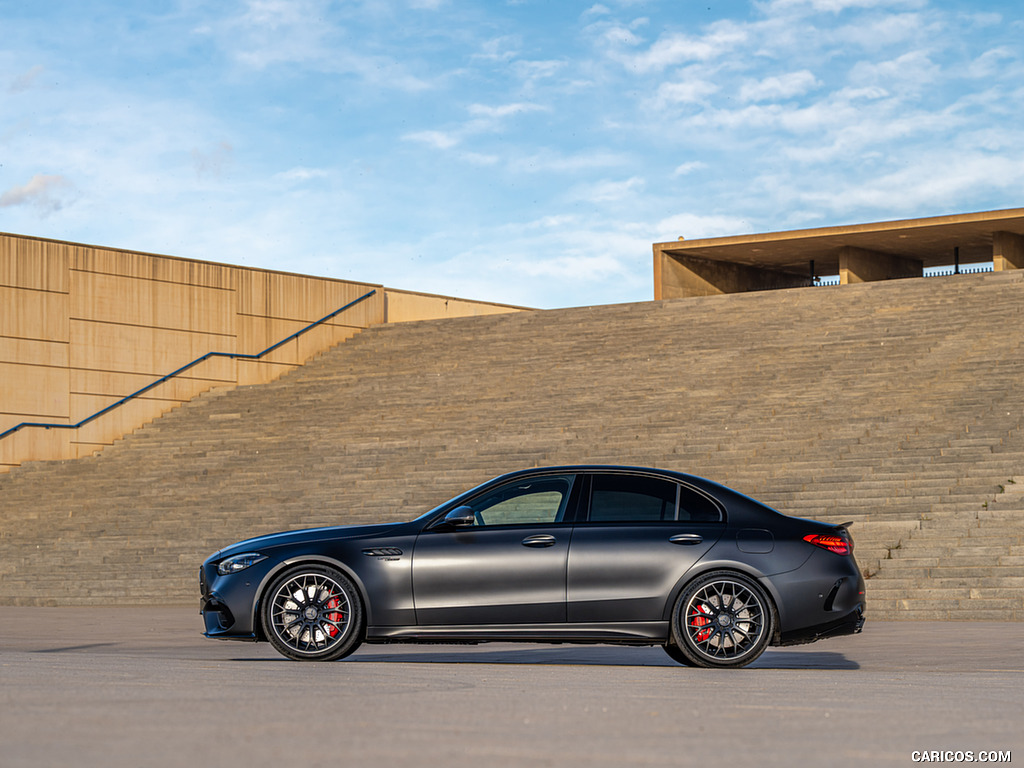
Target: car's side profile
585, 554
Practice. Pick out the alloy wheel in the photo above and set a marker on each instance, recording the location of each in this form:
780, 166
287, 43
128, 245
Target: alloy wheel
313, 614
723, 621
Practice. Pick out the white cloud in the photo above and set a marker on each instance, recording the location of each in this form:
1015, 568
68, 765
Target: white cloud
993, 62
886, 31
499, 49
596, 10
926, 182
779, 87
838, 6
550, 160
485, 119
689, 167
505, 110
684, 92
677, 48
608, 191
46, 192
912, 70
695, 226
301, 174
435, 139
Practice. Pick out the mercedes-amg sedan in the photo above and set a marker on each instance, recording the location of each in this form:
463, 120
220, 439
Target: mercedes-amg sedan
582, 554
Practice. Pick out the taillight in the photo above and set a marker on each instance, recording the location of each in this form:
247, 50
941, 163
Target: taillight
834, 542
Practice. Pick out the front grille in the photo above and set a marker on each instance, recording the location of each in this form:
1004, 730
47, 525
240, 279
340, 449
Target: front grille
202, 581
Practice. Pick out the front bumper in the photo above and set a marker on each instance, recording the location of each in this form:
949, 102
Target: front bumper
226, 604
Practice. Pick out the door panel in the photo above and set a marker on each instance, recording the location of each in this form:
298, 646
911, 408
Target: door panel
499, 575
625, 572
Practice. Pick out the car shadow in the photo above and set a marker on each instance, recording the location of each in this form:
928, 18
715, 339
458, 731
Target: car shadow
599, 656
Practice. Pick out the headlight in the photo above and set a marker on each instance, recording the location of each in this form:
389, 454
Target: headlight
237, 563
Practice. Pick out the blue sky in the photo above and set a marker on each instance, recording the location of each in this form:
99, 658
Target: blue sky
522, 152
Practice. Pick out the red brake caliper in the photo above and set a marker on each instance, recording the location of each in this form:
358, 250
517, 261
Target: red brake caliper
700, 619
331, 629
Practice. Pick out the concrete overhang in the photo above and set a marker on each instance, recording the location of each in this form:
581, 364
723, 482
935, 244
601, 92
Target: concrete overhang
931, 241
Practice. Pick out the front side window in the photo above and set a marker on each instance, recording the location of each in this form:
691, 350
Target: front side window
535, 500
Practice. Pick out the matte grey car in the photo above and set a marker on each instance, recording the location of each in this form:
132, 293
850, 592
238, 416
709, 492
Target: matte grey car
581, 554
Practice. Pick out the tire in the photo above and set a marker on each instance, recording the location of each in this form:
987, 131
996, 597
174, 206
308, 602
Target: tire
722, 619
676, 654
313, 613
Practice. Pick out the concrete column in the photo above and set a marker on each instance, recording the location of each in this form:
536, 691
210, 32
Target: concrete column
857, 265
1007, 251
677, 276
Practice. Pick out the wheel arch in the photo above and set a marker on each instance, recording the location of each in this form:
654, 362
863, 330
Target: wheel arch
295, 563
704, 568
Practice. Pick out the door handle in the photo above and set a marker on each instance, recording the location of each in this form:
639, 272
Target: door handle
539, 540
686, 538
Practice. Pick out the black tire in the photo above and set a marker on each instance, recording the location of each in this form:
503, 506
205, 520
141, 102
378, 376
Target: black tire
313, 613
722, 619
676, 654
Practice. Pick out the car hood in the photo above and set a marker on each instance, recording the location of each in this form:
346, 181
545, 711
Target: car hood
306, 534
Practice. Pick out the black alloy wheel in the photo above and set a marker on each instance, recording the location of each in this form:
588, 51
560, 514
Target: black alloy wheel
722, 619
313, 613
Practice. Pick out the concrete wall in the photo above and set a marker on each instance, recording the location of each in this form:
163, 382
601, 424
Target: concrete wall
677, 276
406, 306
857, 265
81, 327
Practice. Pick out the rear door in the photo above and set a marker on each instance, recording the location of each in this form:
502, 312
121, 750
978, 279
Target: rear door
638, 536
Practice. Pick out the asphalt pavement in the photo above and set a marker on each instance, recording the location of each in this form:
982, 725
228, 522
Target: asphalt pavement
140, 686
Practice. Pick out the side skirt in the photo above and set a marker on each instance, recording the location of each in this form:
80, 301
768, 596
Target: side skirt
613, 633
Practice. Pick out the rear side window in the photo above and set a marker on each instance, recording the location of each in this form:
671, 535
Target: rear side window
629, 499
697, 508
632, 499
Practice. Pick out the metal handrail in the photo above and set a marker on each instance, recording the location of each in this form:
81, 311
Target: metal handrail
172, 374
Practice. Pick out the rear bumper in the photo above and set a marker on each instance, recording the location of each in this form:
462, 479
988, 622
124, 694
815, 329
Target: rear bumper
850, 624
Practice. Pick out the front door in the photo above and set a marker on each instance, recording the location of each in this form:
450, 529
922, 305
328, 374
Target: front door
508, 568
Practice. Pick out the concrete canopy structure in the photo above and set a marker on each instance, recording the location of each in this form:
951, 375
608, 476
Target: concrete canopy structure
858, 253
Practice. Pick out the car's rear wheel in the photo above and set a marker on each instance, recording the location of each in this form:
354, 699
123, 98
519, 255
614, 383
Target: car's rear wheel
722, 619
313, 613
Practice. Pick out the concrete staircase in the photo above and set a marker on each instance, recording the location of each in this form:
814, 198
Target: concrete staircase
895, 405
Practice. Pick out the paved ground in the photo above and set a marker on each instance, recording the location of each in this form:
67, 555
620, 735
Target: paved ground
141, 687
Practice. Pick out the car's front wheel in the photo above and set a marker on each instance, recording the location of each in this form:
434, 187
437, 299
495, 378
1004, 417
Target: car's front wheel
722, 619
313, 613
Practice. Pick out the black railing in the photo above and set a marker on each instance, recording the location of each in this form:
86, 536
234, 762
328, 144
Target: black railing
959, 271
172, 374
940, 272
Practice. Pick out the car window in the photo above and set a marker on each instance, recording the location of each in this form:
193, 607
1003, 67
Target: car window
630, 499
696, 507
536, 500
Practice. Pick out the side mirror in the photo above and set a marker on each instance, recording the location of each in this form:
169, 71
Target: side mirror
460, 517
